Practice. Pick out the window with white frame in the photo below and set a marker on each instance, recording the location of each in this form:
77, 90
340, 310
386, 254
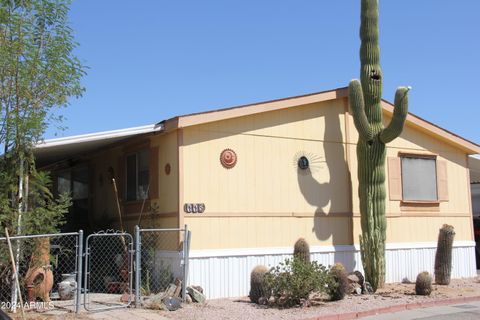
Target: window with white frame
137, 175
419, 178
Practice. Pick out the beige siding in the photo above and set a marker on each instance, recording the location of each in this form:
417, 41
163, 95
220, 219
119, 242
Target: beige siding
421, 229
414, 225
264, 201
413, 141
167, 201
257, 232
266, 178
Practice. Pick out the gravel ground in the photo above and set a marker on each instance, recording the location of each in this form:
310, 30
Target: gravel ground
392, 294
242, 309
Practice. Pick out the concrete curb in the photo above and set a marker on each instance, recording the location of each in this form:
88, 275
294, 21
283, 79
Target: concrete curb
395, 308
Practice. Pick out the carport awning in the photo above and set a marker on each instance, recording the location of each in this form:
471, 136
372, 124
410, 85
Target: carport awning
54, 150
474, 166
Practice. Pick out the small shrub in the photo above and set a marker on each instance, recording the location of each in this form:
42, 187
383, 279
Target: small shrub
423, 285
257, 283
301, 250
340, 281
294, 279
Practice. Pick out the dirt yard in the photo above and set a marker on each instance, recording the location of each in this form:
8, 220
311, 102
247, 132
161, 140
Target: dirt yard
242, 309
392, 294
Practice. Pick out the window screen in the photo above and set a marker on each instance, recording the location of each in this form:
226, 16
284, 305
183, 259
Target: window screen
142, 161
419, 179
137, 175
132, 177
64, 182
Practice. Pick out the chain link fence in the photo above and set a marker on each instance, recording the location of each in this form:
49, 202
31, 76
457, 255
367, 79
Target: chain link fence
47, 268
162, 262
108, 270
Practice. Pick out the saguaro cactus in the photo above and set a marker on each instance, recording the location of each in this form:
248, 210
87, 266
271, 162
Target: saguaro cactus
365, 102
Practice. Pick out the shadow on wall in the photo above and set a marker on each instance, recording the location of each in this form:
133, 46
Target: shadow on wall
322, 194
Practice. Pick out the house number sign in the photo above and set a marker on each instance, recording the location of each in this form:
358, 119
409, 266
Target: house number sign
194, 207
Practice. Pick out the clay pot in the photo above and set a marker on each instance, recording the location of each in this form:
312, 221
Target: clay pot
39, 277
66, 288
39, 282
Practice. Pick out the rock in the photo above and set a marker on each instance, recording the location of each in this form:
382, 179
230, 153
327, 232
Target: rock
188, 298
367, 288
361, 278
317, 298
197, 296
127, 297
263, 301
281, 301
172, 303
170, 292
406, 280
155, 302
352, 278
271, 301
355, 288
178, 290
305, 303
198, 288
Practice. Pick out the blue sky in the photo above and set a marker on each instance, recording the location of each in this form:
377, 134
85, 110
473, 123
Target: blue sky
151, 60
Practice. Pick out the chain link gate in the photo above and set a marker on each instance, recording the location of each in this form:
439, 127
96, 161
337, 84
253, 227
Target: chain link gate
161, 263
108, 271
103, 272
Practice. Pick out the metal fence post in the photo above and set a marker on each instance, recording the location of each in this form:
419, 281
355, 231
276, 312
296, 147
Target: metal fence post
79, 270
138, 262
186, 244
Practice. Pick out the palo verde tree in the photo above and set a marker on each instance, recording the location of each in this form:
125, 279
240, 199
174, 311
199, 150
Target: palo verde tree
365, 102
38, 73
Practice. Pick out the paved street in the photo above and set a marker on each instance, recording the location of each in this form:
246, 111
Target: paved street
464, 311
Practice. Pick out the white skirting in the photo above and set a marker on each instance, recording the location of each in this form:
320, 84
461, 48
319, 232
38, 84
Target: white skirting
226, 272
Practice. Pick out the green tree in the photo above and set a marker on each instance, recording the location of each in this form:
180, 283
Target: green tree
39, 72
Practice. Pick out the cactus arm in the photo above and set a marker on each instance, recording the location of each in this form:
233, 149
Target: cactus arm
400, 112
357, 105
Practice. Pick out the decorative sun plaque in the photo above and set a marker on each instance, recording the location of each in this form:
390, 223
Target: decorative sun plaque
228, 158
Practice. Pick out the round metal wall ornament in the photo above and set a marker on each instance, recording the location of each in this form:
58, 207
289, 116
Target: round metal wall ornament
303, 163
306, 162
228, 158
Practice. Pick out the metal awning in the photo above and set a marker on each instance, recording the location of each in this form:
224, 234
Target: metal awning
54, 150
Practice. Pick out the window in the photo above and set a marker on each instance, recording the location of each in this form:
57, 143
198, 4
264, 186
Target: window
419, 179
137, 167
74, 182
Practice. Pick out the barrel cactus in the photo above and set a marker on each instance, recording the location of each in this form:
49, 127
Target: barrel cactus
423, 285
340, 279
301, 250
365, 102
443, 256
257, 283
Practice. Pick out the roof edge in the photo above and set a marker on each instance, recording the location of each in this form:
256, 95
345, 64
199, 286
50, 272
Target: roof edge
253, 108
425, 125
99, 136
278, 104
